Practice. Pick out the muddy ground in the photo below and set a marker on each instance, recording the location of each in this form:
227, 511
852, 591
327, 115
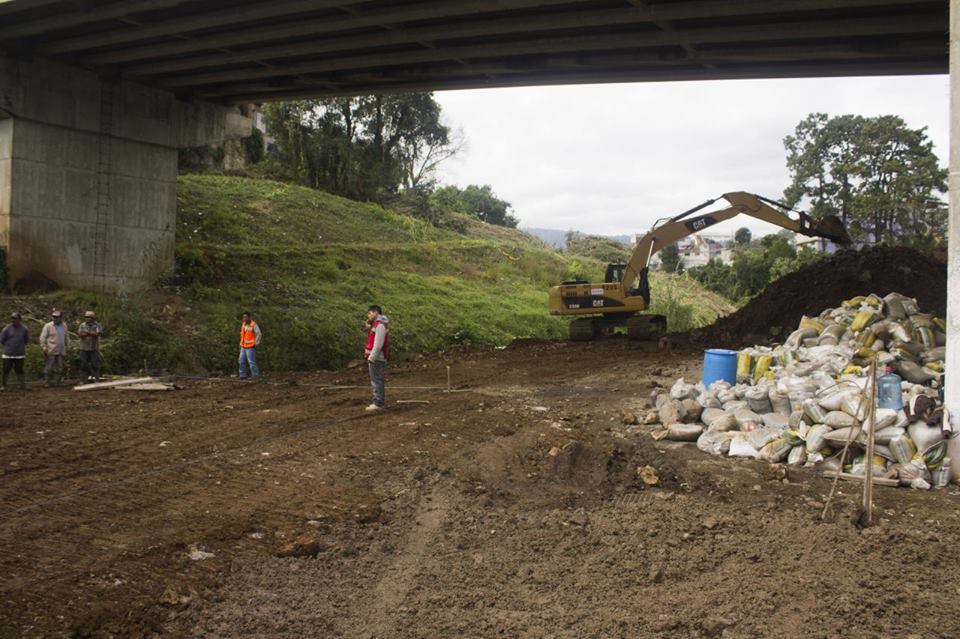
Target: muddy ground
510, 508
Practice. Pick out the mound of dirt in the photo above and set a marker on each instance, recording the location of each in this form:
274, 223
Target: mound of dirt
825, 284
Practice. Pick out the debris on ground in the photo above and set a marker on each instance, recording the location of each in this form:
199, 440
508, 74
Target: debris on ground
808, 401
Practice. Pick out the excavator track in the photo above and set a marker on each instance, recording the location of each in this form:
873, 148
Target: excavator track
583, 329
646, 327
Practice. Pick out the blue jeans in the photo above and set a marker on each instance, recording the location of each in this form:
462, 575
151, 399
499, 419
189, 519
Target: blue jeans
249, 356
377, 375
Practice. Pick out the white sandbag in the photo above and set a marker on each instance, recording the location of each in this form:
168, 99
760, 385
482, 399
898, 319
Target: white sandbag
775, 420
736, 404
813, 411
884, 435
710, 414
902, 448
709, 399
815, 440
839, 419
885, 417
759, 400
724, 423
775, 450
854, 406
747, 420
739, 447
833, 400
681, 390
779, 402
797, 456
924, 436
727, 395
718, 386
840, 436
760, 437
797, 420
715, 443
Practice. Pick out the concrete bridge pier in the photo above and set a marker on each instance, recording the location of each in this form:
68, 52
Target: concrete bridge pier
88, 173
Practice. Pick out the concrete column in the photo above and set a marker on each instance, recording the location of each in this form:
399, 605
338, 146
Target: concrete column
88, 174
952, 388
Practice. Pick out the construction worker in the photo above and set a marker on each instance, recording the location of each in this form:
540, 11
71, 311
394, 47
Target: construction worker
14, 338
89, 333
54, 342
250, 336
376, 352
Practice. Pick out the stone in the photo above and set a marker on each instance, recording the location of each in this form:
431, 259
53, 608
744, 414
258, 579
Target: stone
672, 412
306, 545
629, 418
648, 475
652, 417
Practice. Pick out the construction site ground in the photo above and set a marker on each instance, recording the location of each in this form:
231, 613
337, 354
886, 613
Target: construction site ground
512, 507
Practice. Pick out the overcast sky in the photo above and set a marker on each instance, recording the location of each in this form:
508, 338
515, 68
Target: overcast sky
612, 159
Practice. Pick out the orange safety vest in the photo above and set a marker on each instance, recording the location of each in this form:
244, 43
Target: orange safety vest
248, 337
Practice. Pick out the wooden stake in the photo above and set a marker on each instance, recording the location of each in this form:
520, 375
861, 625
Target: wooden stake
448, 379
868, 469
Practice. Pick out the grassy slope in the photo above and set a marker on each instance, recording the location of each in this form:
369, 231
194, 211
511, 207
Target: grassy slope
307, 264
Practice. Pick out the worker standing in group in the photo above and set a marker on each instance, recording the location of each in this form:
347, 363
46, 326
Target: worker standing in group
14, 338
376, 352
89, 333
54, 342
250, 336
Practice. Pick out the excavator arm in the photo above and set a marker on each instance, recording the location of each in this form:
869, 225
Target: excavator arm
682, 225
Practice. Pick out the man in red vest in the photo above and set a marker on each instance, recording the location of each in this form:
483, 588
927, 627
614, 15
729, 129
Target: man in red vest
249, 340
376, 352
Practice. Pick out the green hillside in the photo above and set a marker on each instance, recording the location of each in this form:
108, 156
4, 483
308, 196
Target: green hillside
307, 264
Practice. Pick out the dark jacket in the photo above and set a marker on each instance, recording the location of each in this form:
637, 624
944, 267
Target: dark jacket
14, 340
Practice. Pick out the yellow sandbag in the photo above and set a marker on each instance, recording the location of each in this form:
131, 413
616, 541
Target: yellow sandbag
852, 369
940, 323
863, 319
873, 300
934, 366
866, 338
925, 336
763, 365
853, 302
744, 362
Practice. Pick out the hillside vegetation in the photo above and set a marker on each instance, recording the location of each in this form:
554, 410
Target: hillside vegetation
307, 264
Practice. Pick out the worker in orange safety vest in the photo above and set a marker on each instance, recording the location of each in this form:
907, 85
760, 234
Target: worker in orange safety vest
250, 337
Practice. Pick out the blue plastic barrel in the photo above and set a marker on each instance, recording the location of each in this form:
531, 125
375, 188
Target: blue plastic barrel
719, 363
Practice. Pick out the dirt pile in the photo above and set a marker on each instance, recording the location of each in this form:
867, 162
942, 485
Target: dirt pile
825, 284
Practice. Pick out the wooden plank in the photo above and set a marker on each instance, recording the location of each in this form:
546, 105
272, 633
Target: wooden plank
146, 387
114, 384
877, 481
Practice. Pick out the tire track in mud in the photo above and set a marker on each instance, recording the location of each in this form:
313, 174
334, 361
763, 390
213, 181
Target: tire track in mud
401, 575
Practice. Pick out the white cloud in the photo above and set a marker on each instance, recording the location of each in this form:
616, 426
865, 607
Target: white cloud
614, 158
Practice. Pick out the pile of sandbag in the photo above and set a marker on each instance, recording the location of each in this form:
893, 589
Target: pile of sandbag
803, 401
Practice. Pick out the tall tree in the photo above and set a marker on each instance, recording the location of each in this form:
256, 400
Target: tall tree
361, 147
879, 176
742, 236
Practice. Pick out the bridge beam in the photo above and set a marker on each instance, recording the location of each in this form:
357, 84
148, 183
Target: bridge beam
88, 172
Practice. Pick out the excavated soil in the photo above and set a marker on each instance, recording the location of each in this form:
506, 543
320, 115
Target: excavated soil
512, 507
825, 284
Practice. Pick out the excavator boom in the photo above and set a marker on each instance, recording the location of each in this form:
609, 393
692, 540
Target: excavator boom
613, 303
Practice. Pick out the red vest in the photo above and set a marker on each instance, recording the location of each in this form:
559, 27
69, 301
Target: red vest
372, 336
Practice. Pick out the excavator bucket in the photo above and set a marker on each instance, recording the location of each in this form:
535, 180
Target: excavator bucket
830, 227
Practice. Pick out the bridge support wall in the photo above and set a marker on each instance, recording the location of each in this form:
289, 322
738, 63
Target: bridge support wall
88, 173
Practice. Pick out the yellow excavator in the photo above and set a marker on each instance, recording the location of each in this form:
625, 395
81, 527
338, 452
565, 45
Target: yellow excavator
618, 301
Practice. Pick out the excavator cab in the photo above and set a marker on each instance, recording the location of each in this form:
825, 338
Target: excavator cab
614, 272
